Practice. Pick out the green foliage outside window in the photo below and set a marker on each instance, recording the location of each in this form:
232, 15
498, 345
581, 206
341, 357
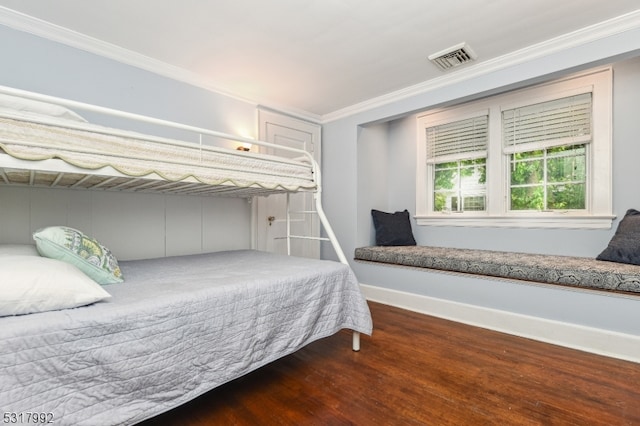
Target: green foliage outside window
460, 180
551, 179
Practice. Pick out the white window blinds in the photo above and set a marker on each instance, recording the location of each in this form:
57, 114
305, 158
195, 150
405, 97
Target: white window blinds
464, 139
564, 121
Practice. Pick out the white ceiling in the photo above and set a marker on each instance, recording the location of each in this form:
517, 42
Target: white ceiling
318, 56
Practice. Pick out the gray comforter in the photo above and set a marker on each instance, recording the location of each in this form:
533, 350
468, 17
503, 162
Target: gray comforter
176, 328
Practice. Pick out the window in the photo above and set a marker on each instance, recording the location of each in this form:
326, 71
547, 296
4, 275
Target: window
548, 179
458, 152
460, 185
547, 171
538, 157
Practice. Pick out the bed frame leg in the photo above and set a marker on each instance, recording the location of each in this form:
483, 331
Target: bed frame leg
356, 342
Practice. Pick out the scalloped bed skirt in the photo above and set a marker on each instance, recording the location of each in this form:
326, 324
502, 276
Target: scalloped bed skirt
550, 269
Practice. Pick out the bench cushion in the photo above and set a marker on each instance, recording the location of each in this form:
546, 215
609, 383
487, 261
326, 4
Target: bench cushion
565, 270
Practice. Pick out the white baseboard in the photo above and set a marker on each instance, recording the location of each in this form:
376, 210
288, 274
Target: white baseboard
594, 340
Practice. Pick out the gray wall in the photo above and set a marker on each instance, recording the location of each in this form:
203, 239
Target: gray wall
32, 63
370, 163
132, 225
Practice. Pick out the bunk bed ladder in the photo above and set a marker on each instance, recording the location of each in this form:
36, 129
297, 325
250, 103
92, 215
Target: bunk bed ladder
325, 225
331, 237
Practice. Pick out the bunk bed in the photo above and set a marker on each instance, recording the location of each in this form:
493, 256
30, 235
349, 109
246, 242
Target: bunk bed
176, 327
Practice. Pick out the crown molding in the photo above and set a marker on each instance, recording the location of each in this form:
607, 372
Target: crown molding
38, 27
611, 27
56, 33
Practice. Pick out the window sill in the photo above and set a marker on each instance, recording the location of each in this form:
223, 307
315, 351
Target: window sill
519, 221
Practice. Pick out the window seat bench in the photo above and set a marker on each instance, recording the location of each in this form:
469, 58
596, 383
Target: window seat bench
551, 269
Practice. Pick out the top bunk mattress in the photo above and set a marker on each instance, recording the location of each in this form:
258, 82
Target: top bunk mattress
65, 151
176, 328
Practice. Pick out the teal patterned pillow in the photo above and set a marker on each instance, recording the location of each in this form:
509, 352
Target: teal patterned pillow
86, 253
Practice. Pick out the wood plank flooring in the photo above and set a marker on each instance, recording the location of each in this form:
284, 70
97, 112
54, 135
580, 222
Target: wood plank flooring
421, 370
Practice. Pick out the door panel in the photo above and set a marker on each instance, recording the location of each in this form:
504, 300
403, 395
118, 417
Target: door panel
271, 212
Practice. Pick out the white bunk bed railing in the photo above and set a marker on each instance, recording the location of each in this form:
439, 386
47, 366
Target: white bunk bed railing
150, 120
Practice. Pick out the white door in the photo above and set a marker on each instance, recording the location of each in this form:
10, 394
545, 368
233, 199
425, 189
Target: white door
271, 211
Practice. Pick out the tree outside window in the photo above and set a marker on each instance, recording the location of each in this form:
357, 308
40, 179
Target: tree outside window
460, 185
549, 179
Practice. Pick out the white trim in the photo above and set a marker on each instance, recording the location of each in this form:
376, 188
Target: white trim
601, 30
29, 24
588, 339
519, 221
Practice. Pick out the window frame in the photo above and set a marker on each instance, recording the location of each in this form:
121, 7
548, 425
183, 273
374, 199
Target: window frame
545, 158
598, 213
456, 157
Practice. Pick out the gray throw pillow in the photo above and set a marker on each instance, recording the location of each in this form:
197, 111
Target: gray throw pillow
624, 247
393, 229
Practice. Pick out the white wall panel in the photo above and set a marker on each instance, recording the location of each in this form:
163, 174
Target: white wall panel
226, 227
133, 226
79, 209
184, 225
14, 223
48, 207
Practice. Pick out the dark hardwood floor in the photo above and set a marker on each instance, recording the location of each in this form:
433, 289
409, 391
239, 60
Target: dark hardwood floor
421, 370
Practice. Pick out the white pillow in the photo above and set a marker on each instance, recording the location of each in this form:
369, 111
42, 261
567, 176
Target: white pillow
27, 106
31, 284
18, 249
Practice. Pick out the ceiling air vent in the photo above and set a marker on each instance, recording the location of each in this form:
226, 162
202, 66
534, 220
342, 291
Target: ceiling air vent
453, 56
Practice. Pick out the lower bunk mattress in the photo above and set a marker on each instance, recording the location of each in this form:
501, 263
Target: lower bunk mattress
175, 329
